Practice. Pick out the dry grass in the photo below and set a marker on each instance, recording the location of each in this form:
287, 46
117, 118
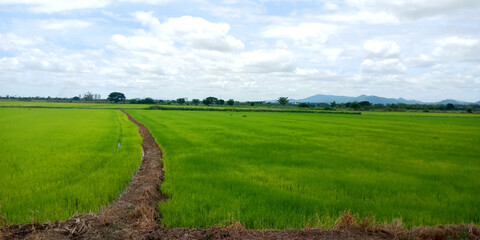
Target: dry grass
395, 230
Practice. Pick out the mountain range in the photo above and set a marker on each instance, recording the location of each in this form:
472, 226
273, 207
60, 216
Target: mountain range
320, 98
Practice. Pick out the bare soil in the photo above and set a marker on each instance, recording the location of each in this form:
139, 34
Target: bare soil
134, 215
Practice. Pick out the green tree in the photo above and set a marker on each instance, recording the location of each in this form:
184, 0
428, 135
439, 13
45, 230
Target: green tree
365, 104
450, 106
195, 101
147, 101
209, 101
283, 100
303, 105
116, 97
220, 102
88, 96
355, 105
230, 102
181, 101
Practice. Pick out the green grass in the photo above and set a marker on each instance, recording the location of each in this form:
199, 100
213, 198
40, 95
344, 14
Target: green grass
426, 114
275, 108
87, 105
45, 104
284, 170
58, 162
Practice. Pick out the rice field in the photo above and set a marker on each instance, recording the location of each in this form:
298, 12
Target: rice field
265, 170
287, 170
58, 162
76, 105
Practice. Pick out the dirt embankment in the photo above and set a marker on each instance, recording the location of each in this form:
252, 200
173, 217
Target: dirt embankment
134, 215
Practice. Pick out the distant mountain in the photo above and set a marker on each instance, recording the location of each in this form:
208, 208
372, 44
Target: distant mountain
320, 98
453, 101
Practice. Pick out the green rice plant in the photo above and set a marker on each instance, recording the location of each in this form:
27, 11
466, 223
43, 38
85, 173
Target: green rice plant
45, 104
84, 105
289, 170
244, 109
58, 162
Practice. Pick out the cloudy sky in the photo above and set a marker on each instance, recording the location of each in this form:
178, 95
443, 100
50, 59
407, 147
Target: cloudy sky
242, 49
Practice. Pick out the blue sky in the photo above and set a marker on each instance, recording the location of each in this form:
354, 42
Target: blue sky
246, 50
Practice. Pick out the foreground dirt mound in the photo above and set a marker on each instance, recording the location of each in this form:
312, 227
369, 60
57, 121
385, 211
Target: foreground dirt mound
235, 232
134, 216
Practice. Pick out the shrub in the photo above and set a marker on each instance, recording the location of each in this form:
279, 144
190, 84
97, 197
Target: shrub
303, 105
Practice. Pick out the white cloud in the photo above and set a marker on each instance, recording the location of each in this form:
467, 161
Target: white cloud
279, 44
313, 74
56, 62
330, 6
422, 60
387, 66
361, 17
143, 43
458, 49
332, 54
413, 9
381, 49
13, 42
194, 32
278, 60
304, 34
241, 48
244, 10
458, 41
52, 6
152, 2
147, 19
61, 24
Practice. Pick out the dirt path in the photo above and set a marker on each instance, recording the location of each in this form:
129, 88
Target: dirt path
134, 216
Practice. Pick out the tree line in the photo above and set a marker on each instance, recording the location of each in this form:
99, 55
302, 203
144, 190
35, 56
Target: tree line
118, 97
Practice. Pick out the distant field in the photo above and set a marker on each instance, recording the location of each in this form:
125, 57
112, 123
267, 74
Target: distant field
234, 108
82, 105
425, 114
45, 104
284, 170
58, 162
70, 105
